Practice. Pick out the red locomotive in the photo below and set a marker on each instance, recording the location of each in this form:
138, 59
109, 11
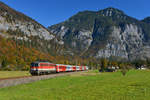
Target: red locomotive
39, 68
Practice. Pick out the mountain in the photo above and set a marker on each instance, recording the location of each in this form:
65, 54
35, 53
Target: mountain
25, 30
23, 40
16, 21
106, 33
80, 40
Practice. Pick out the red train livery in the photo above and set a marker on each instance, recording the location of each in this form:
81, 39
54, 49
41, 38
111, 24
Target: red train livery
39, 68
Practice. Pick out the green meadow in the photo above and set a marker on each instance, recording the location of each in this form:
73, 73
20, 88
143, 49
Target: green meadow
92, 85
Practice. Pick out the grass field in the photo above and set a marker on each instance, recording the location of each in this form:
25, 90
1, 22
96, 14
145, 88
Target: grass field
9, 74
85, 86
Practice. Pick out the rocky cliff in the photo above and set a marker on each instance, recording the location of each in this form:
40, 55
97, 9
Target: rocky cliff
105, 33
13, 20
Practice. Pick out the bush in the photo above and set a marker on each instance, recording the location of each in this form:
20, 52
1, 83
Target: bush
124, 71
25, 68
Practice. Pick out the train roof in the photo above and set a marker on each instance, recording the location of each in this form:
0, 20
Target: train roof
55, 64
42, 62
62, 64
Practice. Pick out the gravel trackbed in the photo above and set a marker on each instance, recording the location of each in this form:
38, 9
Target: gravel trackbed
29, 79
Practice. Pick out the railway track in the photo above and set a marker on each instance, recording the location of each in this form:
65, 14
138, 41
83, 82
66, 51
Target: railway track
6, 82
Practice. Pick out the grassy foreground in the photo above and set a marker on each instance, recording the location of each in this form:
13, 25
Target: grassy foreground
84, 86
9, 74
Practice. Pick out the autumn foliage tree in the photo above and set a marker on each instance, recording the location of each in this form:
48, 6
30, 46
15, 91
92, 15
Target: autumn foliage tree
104, 64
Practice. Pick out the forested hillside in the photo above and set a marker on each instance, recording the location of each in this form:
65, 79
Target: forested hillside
18, 57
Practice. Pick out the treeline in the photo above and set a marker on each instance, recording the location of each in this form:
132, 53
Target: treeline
103, 64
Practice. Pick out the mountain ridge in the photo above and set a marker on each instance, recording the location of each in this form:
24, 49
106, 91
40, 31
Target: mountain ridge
88, 32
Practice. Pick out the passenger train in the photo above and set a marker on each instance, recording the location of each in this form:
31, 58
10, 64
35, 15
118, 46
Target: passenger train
40, 68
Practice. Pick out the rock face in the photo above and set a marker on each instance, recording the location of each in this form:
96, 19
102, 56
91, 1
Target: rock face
123, 43
106, 33
13, 20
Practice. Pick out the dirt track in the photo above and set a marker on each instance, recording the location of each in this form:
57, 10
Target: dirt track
29, 79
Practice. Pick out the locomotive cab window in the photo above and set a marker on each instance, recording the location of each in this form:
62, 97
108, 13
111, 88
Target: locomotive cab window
34, 65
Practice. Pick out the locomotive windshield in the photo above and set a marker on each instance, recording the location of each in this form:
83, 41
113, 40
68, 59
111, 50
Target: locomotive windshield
34, 64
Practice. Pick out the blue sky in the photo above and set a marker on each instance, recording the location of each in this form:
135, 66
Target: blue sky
49, 12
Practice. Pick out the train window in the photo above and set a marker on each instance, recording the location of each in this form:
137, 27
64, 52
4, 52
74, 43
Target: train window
32, 64
36, 65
